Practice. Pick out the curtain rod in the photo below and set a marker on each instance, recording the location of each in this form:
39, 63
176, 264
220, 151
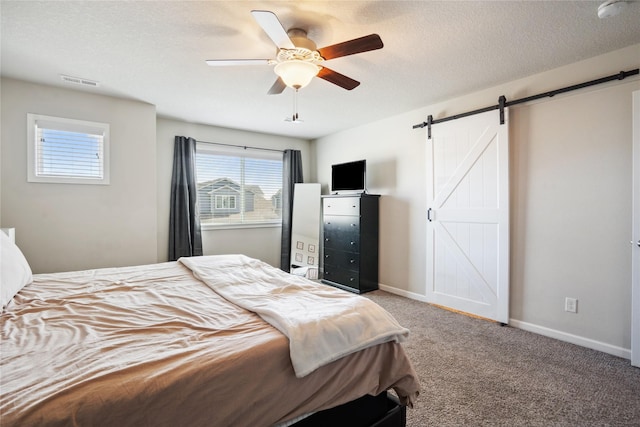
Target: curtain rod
502, 102
246, 147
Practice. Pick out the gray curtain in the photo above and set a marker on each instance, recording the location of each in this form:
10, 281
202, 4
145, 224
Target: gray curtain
291, 174
185, 238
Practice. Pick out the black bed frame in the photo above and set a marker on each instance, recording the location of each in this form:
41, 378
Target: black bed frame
383, 410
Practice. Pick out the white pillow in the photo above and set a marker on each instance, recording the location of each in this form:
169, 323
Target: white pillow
15, 272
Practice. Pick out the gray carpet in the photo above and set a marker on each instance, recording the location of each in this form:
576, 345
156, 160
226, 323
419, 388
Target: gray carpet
478, 373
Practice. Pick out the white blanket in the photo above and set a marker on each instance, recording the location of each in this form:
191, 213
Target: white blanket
322, 323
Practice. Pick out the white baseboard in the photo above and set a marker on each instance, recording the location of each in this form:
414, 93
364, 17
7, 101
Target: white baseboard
541, 330
402, 293
573, 339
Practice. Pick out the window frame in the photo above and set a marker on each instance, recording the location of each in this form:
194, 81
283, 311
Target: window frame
69, 125
222, 198
238, 151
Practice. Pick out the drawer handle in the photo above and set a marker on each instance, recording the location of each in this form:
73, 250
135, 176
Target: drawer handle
351, 279
352, 261
353, 243
353, 225
326, 240
326, 256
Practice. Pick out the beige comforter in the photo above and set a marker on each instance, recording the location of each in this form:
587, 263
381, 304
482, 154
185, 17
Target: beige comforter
322, 323
154, 346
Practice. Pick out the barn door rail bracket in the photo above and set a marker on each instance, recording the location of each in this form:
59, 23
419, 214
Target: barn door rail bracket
503, 103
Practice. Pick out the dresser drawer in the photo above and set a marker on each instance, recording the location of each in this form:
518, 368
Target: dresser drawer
341, 259
341, 206
342, 232
344, 277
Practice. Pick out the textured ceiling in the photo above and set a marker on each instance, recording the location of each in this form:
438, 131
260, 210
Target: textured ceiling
155, 52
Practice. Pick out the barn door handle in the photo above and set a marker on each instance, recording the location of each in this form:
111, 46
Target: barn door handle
429, 218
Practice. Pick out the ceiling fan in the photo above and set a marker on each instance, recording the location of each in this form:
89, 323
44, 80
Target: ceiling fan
298, 60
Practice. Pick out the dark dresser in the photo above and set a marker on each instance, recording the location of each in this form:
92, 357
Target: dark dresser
350, 241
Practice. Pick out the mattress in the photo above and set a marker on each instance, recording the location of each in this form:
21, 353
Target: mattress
154, 345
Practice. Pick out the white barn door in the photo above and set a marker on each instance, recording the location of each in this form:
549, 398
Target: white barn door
468, 216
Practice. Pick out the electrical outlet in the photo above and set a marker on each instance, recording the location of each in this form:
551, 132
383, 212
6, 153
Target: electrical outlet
571, 305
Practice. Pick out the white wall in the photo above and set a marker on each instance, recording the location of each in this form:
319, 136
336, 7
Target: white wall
71, 227
261, 243
571, 197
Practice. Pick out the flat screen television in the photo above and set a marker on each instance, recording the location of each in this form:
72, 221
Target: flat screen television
349, 177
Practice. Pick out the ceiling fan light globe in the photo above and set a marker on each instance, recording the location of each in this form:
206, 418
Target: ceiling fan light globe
611, 8
296, 74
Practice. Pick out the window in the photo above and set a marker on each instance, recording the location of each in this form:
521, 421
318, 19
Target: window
225, 202
238, 187
67, 151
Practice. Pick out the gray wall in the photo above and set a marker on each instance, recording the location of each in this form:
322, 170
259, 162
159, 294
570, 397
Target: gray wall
70, 227
570, 198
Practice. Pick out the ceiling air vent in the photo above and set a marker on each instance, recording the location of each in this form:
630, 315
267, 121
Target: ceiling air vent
79, 81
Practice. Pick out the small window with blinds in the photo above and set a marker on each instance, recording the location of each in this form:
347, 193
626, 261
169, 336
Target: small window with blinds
238, 187
67, 151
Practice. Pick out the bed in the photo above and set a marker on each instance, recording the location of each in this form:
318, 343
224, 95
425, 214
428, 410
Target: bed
214, 340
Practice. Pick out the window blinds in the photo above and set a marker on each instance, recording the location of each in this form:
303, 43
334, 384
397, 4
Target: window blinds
67, 150
238, 188
69, 154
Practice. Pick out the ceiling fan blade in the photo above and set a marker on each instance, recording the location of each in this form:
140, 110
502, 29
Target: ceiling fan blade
338, 79
230, 62
362, 44
274, 29
277, 88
